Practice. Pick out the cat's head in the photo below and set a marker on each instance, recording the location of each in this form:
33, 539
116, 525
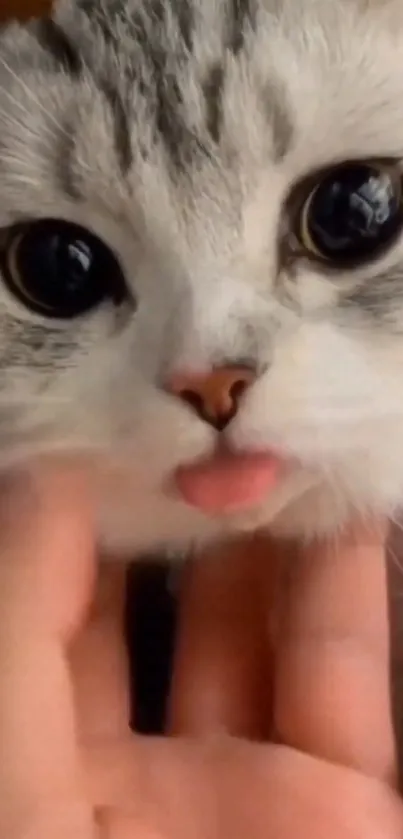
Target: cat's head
192, 185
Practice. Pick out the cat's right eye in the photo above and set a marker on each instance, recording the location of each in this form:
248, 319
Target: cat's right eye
59, 269
352, 213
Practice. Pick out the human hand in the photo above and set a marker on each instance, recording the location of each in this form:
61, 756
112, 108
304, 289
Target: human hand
314, 677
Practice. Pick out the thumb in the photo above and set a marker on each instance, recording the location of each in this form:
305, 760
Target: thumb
46, 571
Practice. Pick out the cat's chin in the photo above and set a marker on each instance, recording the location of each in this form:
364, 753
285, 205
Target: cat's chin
300, 509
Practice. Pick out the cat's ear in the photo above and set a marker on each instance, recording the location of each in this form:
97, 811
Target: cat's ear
33, 45
46, 43
19, 46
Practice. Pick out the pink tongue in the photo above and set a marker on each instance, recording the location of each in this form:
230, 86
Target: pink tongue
227, 481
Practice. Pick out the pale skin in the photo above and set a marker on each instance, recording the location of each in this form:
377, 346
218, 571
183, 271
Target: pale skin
284, 648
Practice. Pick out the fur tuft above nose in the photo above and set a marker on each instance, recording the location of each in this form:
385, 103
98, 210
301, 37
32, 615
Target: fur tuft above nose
215, 395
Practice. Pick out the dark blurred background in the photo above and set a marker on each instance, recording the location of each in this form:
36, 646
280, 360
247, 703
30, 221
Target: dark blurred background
22, 8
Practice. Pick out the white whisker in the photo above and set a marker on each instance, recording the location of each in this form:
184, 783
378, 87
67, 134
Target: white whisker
31, 95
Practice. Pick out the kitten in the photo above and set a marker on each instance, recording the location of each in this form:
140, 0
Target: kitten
202, 260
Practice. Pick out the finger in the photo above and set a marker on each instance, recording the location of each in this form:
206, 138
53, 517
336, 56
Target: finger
230, 787
99, 662
46, 573
222, 668
332, 679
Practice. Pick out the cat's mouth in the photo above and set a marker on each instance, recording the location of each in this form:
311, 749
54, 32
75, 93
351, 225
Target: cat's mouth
229, 481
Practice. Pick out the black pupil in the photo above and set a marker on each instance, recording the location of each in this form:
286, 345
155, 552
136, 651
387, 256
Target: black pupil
354, 212
66, 270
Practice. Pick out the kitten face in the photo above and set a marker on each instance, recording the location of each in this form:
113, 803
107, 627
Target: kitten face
180, 137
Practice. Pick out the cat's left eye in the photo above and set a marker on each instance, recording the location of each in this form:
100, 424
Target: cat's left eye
59, 269
352, 213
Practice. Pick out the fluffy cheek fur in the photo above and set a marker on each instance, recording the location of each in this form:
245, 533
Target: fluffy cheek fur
333, 404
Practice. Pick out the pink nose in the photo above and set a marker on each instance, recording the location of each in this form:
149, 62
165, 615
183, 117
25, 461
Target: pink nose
216, 395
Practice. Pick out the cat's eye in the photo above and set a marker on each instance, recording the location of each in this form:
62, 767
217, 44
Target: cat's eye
352, 213
59, 269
